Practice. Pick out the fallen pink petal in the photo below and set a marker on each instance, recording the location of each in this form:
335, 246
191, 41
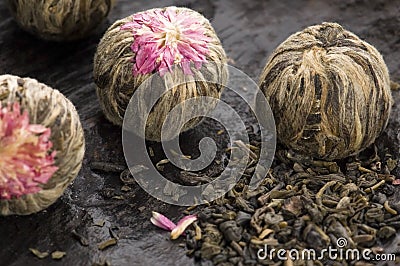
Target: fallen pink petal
182, 225
161, 221
165, 37
396, 182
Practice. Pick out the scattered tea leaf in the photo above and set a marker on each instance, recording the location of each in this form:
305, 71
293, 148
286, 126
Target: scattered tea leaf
57, 255
113, 233
37, 253
107, 167
394, 85
389, 209
83, 240
198, 232
126, 188
126, 176
375, 187
107, 243
151, 151
161, 163
118, 197
103, 262
265, 233
99, 222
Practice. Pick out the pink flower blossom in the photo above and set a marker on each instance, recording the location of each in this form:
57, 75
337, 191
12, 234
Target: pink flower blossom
25, 157
163, 222
165, 37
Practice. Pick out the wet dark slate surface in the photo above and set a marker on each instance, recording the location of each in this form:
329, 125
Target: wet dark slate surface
249, 31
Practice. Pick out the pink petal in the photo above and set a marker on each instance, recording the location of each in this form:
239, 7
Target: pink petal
197, 64
170, 13
26, 160
186, 67
187, 51
161, 221
163, 71
129, 25
168, 57
396, 182
157, 47
182, 225
37, 129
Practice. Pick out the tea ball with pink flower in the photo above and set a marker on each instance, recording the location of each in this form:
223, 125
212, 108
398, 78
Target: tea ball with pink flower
41, 145
176, 43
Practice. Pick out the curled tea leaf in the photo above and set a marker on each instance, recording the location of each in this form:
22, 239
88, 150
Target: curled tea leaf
107, 243
99, 222
37, 253
83, 240
57, 255
107, 167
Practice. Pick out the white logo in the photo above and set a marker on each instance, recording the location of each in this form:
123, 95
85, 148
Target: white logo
341, 242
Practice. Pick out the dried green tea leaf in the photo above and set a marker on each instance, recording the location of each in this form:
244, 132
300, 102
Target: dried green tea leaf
83, 240
103, 262
57, 255
161, 163
394, 85
118, 197
107, 243
37, 253
113, 232
126, 188
107, 167
99, 222
391, 163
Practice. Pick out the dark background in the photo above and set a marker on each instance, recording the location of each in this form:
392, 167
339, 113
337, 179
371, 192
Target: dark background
249, 31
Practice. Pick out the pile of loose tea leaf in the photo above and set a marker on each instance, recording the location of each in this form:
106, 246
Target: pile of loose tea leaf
303, 204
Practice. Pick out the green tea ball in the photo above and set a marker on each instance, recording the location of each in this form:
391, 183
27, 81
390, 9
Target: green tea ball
329, 91
179, 44
41, 145
61, 20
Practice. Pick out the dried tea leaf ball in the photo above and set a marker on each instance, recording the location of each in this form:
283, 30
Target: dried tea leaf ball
41, 145
177, 43
61, 20
329, 91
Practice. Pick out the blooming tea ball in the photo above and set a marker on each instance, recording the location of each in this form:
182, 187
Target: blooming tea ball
61, 20
177, 43
41, 145
329, 92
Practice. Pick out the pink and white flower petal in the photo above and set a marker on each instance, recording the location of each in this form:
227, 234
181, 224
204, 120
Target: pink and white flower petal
161, 221
182, 225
